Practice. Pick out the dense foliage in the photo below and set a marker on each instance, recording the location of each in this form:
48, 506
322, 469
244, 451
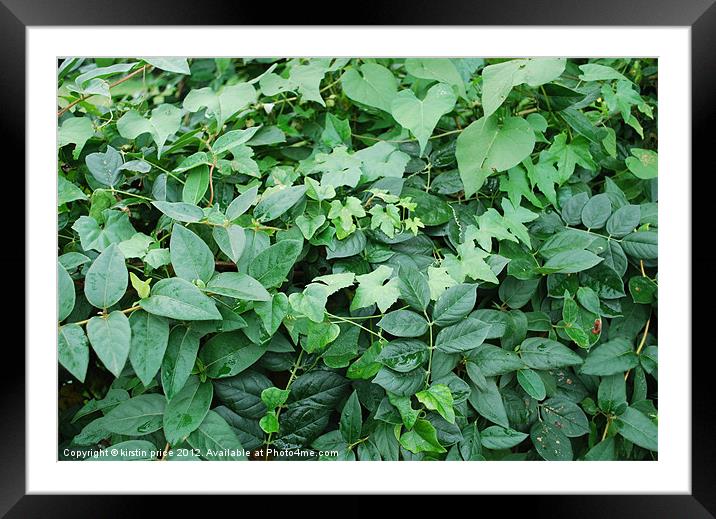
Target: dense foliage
357, 259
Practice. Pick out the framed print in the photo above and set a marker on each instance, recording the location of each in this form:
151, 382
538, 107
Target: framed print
416, 243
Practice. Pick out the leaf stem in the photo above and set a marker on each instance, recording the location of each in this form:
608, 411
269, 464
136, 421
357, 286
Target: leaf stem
437, 136
431, 348
125, 311
354, 324
111, 85
641, 344
291, 378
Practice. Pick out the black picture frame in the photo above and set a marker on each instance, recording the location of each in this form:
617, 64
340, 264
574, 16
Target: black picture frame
699, 15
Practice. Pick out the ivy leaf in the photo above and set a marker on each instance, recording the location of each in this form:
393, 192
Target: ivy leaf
372, 85
105, 167
498, 80
223, 105
77, 131
644, 164
176, 298
485, 147
438, 398
164, 122
421, 438
567, 156
373, 289
421, 117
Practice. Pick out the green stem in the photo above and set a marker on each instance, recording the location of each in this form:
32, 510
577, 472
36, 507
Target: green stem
291, 378
354, 324
431, 348
130, 194
125, 311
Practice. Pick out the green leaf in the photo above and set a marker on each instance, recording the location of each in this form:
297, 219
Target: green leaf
231, 240
422, 438
414, 288
65, 293
237, 286
643, 290
241, 203
641, 245
431, 209
104, 167
570, 262
186, 411
438, 398
278, 202
177, 65
223, 105
73, 350
404, 323
137, 416
402, 384
180, 211
179, 359
644, 164
271, 266
373, 289
495, 361
615, 356
110, 338
77, 131
488, 402
624, 220
68, 192
454, 304
215, 440
485, 147
539, 353
191, 257
232, 139
464, 336
498, 80
351, 421
274, 397
596, 211
404, 355
106, 280
163, 123
442, 70
638, 429
150, 336
566, 156
532, 383
421, 117
496, 437
565, 416
374, 85
176, 298
196, 185
596, 72
551, 443
227, 354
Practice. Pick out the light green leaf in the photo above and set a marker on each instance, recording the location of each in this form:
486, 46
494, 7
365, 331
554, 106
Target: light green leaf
177, 65
374, 86
110, 338
77, 131
498, 80
137, 416
373, 289
229, 353
644, 164
421, 117
73, 350
186, 411
164, 122
176, 298
150, 336
191, 257
485, 147
106, 280
221, 106
438, 398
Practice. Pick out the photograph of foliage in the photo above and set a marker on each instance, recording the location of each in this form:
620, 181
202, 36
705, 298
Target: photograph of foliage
357, 259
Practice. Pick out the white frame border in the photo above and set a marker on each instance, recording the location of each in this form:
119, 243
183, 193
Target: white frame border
670, 474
